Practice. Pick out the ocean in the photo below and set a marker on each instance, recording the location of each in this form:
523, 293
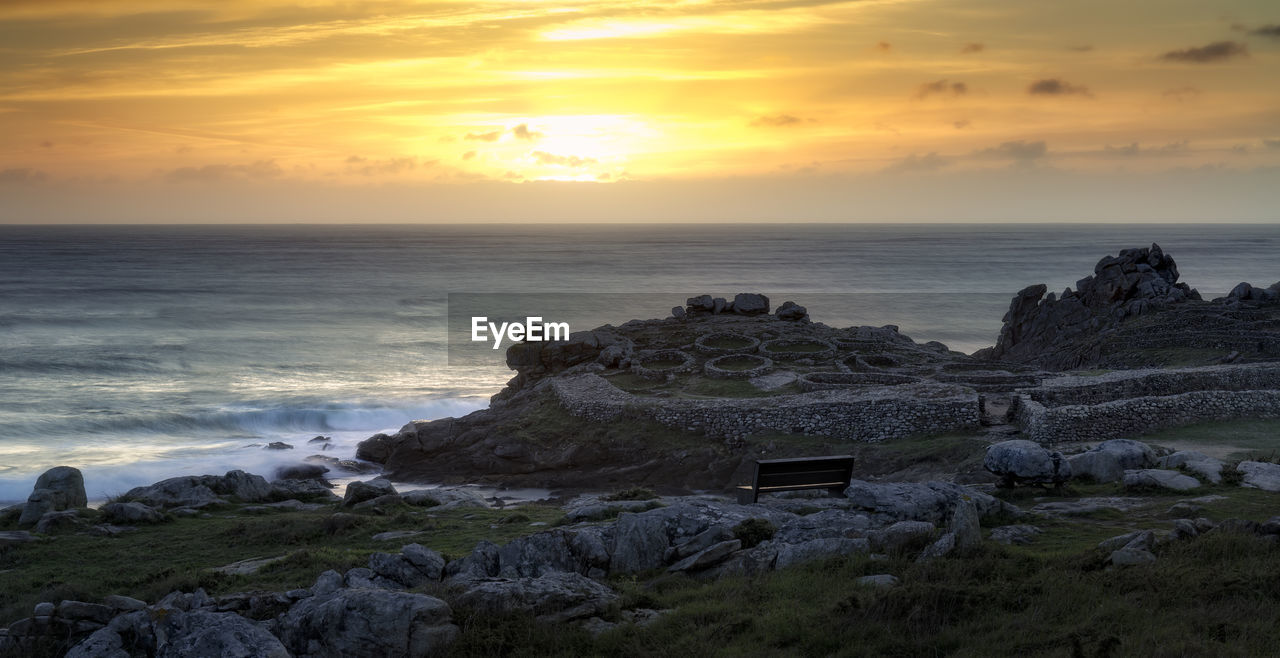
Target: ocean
137, 353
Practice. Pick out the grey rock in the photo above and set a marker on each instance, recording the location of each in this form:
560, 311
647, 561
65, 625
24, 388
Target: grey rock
81, 611
303, 471
1096, 465
1026, 461
1185, 529
481, 562
827, 523
1139, 539
878, 581
902, 535
1014, 534
965, 527
360, 492
446, 498
58, 522
640, 543
750, 304
1129, 557
944, 546
792, 311
1197, 462
130, 513
327, 583
707, 557
392, 535
819, 549
366, 622
57, 489
397, 569
11, 514
1260, 475
677, 312
278, 445
1132, 454
43, 609
923, 501
197, 491
429, 562
700, 542
1183, 510
246, 567
178, 634
364, 578
552, 597
1160, 479
14, 537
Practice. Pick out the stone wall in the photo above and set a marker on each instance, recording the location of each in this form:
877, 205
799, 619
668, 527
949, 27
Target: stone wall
1125, 384
1135, 416
856, 415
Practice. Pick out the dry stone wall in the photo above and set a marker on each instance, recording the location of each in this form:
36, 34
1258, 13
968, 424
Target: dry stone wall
867, 415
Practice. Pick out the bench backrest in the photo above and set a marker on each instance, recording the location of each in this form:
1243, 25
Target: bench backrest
803, 471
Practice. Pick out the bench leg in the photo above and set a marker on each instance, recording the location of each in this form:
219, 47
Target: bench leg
747, 496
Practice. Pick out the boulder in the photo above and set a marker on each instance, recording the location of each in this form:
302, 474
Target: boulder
942, 547
1197, 462
196, 491
1138, 539
707, 557
304, 471
359, 492
700, 304
367, 622
640, 543
446, 498
58, 522
1131, 454
819, 549
11, 514
552, 597
1026, 461
177, 634
965, 527
792, 311
57, 489
903, 536
1096, 465
14, 537
81, 611
1159, 479
878, 581
1131, 557
1014, 534
278, 445
1260, 475
750, 304
429, 562
130, 513
920, 501
311, 490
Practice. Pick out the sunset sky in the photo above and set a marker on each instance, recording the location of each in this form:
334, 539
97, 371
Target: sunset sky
925, 110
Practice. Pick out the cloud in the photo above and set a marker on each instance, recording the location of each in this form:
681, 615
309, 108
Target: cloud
972, 48
522, 132
943, 87
1020, 151
1270, 31
1273, 144
22, 175
1215, 52
366, 167
961, 124
261, 169
468, 155
1181, 94
884, 46
484, 137
1056, 87
1083, 48
47, 144
928, 162
545, 158
775, 121
1127, 150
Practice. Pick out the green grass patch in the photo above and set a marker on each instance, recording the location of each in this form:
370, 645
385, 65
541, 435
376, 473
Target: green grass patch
727, 343
737, 364
798, 348
155, 560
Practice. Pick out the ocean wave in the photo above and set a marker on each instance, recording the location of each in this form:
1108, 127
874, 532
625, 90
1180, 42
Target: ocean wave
102, 365
252, 422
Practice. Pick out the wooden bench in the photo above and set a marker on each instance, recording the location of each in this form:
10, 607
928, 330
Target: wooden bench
773, 475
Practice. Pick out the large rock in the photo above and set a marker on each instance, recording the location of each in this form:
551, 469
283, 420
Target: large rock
750, 304
1026, 461
1131, 454
792, 311
1260, 475
367, 622
903, 536
302, 471
1197, 462
57, 489
640, 543
1159, 479
446, 498
58, 522
359, 492
707, 557
307, 490
920, 501
552, 597
819, 549
1096, 465
178, 634
198, 491
964, 524
130, 513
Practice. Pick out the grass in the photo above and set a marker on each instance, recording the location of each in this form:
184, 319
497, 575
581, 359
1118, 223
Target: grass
635, 493
736, 364
1249, 437
727, 343
802, 348
155, 560
1215, 595
663, 364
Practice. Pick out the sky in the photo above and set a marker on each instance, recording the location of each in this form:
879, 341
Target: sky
631, 110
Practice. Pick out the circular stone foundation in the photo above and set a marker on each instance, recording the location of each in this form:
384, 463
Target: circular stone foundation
822, 381
737, 366
793, 349
724, 342
657, 364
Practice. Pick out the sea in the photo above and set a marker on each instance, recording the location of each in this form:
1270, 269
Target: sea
137, 353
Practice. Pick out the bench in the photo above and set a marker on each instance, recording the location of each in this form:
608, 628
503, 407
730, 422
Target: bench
773, 475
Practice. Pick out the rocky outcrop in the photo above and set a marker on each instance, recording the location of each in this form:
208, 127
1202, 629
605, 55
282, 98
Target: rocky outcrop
196, 491
1022, 461
552, 597
1045, 329
57, 489
367, 622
